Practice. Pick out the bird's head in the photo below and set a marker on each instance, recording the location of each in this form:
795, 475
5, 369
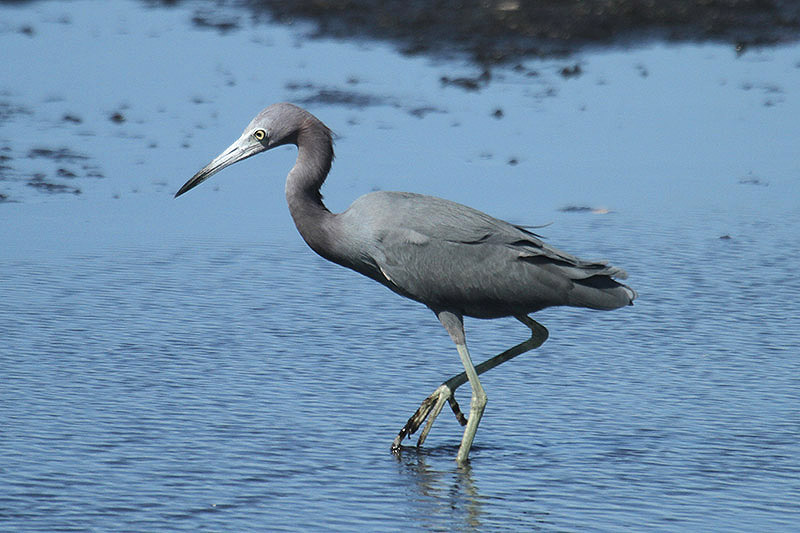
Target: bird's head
274, 126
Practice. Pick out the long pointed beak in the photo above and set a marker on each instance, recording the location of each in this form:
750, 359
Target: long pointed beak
243, 148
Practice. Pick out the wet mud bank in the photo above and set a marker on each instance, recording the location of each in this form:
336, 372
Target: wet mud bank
498, 31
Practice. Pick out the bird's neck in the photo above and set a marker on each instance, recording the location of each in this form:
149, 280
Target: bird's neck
314, 156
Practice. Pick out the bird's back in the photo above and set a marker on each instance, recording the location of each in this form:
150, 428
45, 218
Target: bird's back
452, 257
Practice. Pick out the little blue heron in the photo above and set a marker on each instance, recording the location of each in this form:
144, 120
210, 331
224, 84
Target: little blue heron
454, 259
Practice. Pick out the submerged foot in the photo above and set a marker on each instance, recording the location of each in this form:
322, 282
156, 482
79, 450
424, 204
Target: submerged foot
429, 409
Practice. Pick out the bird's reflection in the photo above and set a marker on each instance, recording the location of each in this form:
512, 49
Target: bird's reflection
447, 492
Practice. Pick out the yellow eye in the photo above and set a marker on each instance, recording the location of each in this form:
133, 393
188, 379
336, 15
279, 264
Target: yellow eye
259, 135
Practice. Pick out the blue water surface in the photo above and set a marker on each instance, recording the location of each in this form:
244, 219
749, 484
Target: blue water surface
189, 365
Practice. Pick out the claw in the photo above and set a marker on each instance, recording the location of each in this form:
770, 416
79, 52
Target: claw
457, 411
428, 410
413, 423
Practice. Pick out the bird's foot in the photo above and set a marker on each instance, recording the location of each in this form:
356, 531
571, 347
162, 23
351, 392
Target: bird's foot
429, 409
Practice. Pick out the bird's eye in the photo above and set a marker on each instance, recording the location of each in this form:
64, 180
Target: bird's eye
260, 135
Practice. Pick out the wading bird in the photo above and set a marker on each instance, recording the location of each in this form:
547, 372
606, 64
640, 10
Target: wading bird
454, 259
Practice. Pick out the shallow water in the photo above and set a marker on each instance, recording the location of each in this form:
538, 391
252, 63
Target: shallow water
190, 365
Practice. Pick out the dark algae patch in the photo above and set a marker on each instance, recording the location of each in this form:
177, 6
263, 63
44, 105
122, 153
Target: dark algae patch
56, 154
40, 183
67, 164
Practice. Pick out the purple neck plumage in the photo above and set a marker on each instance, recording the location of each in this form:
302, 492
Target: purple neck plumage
314, 157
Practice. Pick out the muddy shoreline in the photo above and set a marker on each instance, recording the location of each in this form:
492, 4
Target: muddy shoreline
500, 31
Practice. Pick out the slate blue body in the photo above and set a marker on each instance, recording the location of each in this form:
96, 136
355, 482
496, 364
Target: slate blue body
450, 256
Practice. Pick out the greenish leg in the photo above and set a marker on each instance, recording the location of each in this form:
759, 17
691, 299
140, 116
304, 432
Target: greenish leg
433, 404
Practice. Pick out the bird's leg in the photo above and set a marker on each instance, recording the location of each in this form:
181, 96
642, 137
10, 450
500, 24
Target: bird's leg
476, 404
454, 324
433, 404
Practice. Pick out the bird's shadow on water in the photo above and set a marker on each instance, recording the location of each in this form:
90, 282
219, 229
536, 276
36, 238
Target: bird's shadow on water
446, 492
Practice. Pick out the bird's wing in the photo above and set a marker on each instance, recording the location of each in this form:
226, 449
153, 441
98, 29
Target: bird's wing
416, 219
440, 252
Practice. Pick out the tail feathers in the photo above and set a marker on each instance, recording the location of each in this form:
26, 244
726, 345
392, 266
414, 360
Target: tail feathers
592, 285
601, 292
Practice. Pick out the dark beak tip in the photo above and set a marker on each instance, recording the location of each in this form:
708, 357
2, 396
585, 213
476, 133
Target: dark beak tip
227, 158
196, 180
